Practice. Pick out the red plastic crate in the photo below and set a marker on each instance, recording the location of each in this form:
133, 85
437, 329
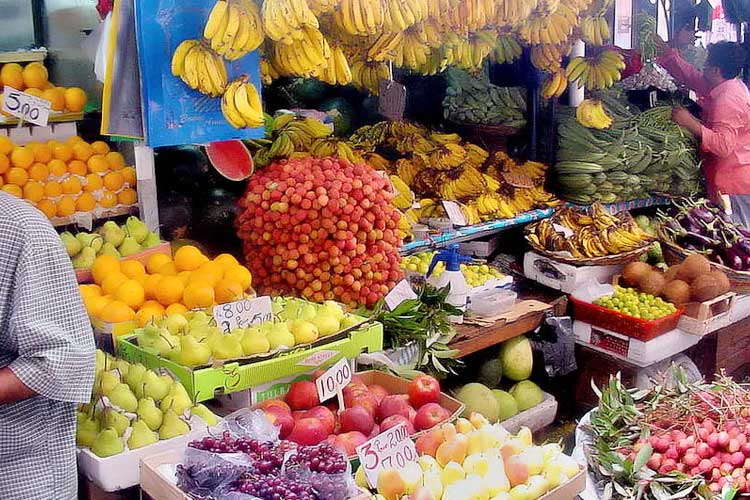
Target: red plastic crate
615, 321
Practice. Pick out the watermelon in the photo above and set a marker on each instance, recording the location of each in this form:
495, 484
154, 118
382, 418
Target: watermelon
308, 90
231, 159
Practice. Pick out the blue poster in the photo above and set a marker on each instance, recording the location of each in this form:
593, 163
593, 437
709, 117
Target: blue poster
173, 113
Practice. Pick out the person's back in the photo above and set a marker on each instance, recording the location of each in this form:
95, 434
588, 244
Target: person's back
46, 358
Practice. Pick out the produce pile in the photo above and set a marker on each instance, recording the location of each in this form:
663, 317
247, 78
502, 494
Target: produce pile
193, 338
34, 79
637, 155
637, 305
132, 407
370, 410
702, 227
64, 178
110, 239
587, 235
475, 274
677, 440
474, 459
474, 100
129, 291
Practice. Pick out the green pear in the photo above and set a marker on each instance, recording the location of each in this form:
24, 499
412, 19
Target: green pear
205, 414
107, 382
71, 243
85, 259
175, 354
156, 387
136, 229
151, 240
226, 347
116, 420
254, 342
279, 335
304, 331
107, 443
112, 233
290, 310
149, 413
122, 366
92, 240
122, 397
172, 426
199, 318
326, 322
177, 399
101, 360
129, 247
175, 323
201, 333
86, 431
135, 375
349, 321
192, 352
307, 312
334, 308
141, 436
109, 249
81, 416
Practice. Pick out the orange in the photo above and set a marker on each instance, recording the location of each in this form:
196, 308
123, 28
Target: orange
95, 304
75, 99
127, 197
13, 189
184, 276
132, 268
210, 272
52, 189
4, 163
103, 266
241, 275
155, 261
33, 191
108, 200
175, 308
147, 314
151, 284
170, 290
85, 202
115, 160
168, 269
42, 152
73, 140
188, 258
57, 168
66, 206
6, 145
71, 185
12, 75
131, 293
77, 167
116, 312
113, 181
56, 99
100, 147
112, 282
39, 172
35, 92
227, 290
82, 151
152, 303
97, 164
47, 207
62, 152
34, 76
198, 294
90, 290
93, 183
17, 176
226, 261
128, 173
22, 157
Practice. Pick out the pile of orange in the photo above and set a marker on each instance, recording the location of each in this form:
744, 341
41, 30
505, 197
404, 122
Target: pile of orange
34, 79
126, 290
62, 178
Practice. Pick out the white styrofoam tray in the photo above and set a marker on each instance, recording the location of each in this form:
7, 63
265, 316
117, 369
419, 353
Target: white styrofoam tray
564, 277
536, 418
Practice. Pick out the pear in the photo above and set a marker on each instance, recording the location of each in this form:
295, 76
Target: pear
254, 342
205, 414
122, 366
72, 245
307, 312
177, 399
107, 443
90, 240
172, 426
304, 331
109, 249
151, 240
226, 347
203, 332
85, 259
149, 413
334, 308
136, 229
175, 323
135, 375
141, 436
129, 247
192, 352
156, 387
122, 397
175, 354
279, 335
326, 322
101, 360
116, 420
112, 233
349, 321
86, 431
290, 310
199, 318
107, 382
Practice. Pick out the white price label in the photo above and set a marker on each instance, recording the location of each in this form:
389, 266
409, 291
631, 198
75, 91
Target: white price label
401, 292
390, 450
26, 106
455, 213
566, 231
333, 381
243, 313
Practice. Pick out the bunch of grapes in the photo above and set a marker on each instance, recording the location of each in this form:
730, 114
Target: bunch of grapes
321, 458
269, 487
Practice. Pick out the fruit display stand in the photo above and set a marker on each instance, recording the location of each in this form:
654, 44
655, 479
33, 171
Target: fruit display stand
86, 220
205, 383
564, 277
702, 318
23, 55
84, 275
54, 117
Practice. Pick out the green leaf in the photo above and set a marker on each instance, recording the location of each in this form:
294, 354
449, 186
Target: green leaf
643, 455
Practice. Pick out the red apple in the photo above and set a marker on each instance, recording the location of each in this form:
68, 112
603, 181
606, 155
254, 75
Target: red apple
395, 404
393, 421
302, 395
273, 403
428, 443
348, 442
375, 431
429, 415
323, 414
278, 417
378, 392
308, 431
296, 415
316, 375
423, 389
356, 418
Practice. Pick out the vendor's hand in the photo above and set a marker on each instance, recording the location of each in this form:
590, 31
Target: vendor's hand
682, 116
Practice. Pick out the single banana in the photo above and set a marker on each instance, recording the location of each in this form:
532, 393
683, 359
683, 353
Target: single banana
215, 19
178, 58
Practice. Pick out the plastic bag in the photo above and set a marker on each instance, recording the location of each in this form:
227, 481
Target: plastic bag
556, 341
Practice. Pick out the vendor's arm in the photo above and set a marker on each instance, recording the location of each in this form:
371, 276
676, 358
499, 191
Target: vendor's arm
681, 70
720, 138
54, 343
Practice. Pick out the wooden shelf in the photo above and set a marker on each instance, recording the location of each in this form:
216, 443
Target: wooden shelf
54, 117
84, 219
22, 56
472, 338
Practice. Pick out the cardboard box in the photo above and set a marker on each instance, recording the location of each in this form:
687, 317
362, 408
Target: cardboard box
536, 418
206, 383
702, 318
482, 247
564, 277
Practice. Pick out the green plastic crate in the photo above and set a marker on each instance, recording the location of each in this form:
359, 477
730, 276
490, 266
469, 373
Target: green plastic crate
206, 383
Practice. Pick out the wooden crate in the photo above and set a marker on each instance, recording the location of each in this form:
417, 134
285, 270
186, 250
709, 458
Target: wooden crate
84, 275
701, 318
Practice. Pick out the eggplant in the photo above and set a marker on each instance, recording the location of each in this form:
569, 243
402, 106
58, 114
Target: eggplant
734, 259
718, 259
742, 230
700, 239
701, 214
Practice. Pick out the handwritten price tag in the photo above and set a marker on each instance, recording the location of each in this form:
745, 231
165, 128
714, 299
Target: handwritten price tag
25, 106
390, 450
401, 292
455, 214
243, 313
333, 381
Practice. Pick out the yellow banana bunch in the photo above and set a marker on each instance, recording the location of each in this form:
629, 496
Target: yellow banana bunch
555, 85
512, 12
385, 47
241, 104
404, 198
331, 146
361, 17
267, 72
400, 14
546, 8
366, 75
547, 57
234, 28
319, 7
591, 114
413, 51
307, 56
337, 71
595, 30
199, 67
283, 20
598, 72
471, 213
447, 156
507, 49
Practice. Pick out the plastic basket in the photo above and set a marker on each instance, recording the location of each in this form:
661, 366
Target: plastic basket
609, 319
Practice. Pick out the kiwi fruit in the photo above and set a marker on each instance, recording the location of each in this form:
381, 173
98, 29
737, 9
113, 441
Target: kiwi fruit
671, 273
677, 292
634, 272
722, 281
704, 287
652, 283
693, 266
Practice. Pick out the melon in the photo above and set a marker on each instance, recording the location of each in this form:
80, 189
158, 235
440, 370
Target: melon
231, 159
491, 373
479, 399
517, 358
527, 394
506, 403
